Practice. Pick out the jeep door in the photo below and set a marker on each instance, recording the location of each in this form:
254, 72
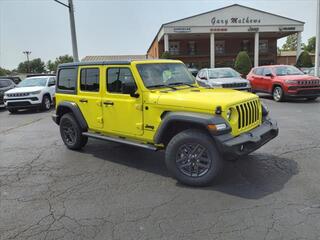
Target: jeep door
122, 112
89, 95
266, 80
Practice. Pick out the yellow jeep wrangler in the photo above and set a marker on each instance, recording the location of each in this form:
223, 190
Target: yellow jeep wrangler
156, 104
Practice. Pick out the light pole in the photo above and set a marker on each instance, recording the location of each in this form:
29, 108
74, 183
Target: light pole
317, 60
27, 53
73, 29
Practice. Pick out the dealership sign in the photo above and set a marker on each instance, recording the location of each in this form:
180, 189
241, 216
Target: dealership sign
234, 20
182, 29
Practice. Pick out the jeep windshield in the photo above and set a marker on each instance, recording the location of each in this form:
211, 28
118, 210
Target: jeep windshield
33, 82
223, 73
287, 70
157, 75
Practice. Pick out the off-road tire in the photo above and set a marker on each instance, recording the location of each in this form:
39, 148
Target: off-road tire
278, 94
71, 132
46, 103
199, 144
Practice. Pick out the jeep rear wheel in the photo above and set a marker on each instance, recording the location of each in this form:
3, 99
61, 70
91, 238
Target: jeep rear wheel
71, 133
192, 157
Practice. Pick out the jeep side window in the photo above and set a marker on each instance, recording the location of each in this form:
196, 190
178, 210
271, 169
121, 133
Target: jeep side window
52, 82
258, 71
267, 71
67, 79
117, 77
89, 80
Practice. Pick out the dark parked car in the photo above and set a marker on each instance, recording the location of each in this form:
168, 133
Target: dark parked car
16, 80
193, 71
5, 85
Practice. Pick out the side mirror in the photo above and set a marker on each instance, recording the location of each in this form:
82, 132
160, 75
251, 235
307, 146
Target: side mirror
130, 88
269, 75
203, 78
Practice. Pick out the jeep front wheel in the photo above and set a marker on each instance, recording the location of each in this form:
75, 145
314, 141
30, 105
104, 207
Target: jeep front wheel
278, 94
192, 157
71, 133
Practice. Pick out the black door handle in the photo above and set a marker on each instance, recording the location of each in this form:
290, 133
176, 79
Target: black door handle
83, 100
108, 103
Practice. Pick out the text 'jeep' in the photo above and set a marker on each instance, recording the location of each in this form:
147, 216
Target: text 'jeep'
156, 104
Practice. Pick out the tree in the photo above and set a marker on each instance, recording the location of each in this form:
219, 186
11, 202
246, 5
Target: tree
311, 46
304, 60
291, 43
4, 72
166, 55
243, 63
33, 66
52, 66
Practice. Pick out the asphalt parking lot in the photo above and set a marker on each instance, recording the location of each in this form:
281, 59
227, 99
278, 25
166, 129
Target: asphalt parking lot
112, 191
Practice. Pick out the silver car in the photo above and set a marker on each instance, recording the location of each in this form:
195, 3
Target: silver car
222, 78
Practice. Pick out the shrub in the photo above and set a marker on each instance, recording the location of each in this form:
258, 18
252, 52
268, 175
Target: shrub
243, 63
304, 60
165, 55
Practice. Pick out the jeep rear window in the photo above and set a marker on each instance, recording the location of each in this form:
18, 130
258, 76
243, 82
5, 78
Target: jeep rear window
159, 74
67, 79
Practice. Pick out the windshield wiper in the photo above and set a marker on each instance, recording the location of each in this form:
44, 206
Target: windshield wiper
162, 85
181, 83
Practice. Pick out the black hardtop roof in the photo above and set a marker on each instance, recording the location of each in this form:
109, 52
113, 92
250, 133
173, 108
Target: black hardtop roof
75, 64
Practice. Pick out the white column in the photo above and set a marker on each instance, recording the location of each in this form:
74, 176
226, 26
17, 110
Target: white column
212, 50
256, 49
166, 42
317, 62
298, 45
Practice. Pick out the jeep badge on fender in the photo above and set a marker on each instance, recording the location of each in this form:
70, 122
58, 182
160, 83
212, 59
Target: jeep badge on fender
156, 104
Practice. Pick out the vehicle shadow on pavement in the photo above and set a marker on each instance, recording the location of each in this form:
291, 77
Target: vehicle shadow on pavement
256, 176
130, 156
291, 100
252, 177
30, 111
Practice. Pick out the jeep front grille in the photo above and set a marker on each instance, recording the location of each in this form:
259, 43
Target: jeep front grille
248, 114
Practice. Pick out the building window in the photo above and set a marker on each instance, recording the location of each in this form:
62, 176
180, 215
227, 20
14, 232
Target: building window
192, 47
220, 47
263, 46
89, 79
174, 48
245, 45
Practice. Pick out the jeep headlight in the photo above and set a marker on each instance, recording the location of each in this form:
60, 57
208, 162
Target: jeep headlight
36, 92
229, 113
291, 81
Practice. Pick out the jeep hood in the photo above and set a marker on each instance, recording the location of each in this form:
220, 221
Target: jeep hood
204, 99
219, 81
25, 89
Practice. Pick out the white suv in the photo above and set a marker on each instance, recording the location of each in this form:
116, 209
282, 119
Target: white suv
33, 92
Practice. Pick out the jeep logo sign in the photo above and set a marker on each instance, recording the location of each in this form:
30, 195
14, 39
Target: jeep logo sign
235, 20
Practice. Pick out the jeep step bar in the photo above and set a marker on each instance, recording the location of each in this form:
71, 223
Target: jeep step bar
119, 140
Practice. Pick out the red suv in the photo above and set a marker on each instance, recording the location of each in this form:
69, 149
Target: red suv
284, 81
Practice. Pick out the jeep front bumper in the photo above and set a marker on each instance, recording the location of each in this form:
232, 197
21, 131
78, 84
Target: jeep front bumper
249, 141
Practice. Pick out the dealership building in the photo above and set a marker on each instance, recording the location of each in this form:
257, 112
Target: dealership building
213, 39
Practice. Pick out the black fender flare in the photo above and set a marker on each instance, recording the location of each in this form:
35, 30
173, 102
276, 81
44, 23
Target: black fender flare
188, 117
73, 107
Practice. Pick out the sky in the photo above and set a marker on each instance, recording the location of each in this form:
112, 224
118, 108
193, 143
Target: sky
112, 27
